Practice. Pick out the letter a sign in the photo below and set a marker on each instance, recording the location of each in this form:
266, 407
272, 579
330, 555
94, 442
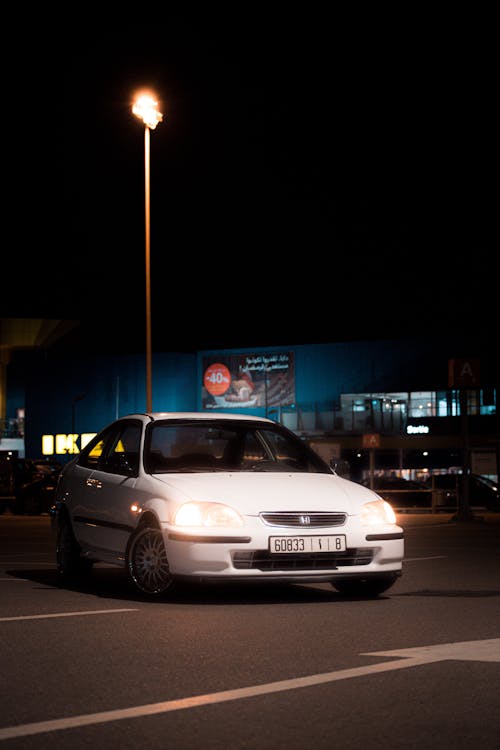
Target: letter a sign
371, 441
463, 373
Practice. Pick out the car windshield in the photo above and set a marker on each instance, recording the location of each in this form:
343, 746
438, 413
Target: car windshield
211, 445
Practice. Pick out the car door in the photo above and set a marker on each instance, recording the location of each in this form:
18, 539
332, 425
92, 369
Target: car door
109, 492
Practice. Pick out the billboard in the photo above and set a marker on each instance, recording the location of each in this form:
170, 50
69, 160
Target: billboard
248, 381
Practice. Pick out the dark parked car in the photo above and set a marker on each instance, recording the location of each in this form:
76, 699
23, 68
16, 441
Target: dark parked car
400, 492
483, 492
29, 485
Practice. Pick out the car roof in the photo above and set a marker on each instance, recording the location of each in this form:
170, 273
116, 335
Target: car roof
199, 415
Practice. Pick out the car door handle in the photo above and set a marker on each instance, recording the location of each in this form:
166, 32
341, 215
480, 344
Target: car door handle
96, 483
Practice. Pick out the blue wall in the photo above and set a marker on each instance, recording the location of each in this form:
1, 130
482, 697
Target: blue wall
324, 371
114, 385
110, 387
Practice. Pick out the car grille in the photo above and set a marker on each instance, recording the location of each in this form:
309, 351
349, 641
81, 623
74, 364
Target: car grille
262, 559
308, 519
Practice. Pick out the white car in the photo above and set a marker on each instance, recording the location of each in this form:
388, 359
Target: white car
220, 497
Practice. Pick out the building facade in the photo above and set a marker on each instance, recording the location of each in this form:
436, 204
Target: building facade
407, 406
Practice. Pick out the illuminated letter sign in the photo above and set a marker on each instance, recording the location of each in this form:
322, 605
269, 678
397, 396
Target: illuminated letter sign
66, 444
63, 444
371, 440
47, 445
463, 373
417, 429
85, 438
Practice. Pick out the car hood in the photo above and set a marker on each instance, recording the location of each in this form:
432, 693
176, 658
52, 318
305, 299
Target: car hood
251, 492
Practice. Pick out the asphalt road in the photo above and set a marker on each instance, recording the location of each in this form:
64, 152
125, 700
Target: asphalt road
277, 667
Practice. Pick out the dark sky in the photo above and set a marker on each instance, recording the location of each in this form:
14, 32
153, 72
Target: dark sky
316, 177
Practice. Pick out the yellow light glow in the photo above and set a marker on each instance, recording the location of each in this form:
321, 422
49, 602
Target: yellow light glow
85, 438
377, 512
63, 444
47, 445
207, 514
67, 443
389, 513
189, 515
145, 108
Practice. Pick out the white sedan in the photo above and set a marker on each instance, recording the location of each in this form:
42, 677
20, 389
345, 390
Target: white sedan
220, 497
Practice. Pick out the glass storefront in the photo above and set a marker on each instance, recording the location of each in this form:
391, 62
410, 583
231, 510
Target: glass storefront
388, 411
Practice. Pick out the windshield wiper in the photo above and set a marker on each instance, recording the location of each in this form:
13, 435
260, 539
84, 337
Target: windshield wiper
268, 464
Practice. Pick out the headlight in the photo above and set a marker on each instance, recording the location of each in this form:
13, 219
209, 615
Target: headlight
377, 512
207, 514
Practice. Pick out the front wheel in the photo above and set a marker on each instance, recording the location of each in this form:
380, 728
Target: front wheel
364, 587
147, 562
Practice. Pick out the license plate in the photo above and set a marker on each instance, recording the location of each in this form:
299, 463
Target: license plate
298, 544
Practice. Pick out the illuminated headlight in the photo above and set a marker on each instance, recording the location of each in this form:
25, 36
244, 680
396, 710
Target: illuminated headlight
376, 513
207, 514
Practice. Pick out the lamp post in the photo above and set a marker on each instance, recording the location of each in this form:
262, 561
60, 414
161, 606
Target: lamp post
77, 398
145, 107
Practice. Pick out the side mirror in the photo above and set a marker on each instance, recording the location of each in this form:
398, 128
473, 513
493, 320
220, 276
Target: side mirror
119, 463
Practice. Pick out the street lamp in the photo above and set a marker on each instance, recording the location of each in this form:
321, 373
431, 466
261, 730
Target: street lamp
145, 108
77, 398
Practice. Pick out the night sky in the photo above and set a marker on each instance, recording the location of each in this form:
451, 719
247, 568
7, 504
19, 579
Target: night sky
316, 177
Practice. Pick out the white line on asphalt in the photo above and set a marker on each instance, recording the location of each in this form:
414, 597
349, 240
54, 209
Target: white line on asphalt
67, 614
417, 559
8, 563
15, 579
488, 650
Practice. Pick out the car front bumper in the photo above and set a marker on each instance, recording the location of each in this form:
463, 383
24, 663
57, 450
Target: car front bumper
246, 556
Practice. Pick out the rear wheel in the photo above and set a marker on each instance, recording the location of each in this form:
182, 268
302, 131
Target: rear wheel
364, 587
147, 562
70, 563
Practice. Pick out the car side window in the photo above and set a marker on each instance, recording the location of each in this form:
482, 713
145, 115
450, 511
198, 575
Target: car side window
116, 450
122, 454
91, 457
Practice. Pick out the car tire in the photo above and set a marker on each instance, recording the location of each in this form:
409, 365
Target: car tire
364, 587
147, 562
70, 563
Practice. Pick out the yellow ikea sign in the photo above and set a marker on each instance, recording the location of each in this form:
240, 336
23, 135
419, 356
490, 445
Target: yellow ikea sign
64, 444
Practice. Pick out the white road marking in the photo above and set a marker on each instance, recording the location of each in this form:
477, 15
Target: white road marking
67, 614
487, 650
417, 559
24, 563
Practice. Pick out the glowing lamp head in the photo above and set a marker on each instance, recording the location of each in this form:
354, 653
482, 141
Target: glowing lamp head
145, 108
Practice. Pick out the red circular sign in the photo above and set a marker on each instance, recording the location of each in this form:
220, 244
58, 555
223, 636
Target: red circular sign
217, 379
